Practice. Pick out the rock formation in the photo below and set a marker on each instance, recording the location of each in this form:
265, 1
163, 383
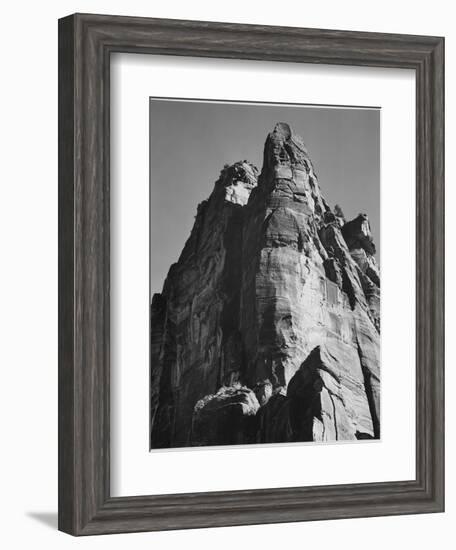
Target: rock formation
268, 326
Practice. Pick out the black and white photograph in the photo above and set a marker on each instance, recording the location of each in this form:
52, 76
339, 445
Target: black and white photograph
265, 312
201, 201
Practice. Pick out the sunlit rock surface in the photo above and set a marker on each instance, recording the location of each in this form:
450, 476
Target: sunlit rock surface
268, 326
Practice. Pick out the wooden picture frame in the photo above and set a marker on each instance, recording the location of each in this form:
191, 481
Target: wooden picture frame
85, 45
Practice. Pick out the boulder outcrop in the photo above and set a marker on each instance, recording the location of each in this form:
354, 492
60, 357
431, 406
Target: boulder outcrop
227, 418
268, 326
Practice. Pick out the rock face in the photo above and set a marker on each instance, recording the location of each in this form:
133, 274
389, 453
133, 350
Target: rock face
268, 326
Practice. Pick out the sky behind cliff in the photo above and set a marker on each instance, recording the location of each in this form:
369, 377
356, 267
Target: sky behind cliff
191, 141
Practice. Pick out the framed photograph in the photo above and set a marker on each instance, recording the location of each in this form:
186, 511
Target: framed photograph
251, 274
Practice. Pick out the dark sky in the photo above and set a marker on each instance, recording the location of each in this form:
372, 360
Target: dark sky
191, 141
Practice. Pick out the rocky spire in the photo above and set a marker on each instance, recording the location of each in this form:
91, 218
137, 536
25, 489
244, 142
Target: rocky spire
269, 321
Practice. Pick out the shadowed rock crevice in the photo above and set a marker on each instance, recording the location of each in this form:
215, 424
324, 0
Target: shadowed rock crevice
226, 418
369, 383
267, 327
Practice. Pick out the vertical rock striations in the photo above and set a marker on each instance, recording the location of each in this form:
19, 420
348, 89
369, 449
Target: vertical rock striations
196, 344
268, 326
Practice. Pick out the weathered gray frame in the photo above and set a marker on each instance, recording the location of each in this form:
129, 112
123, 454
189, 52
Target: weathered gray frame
85, 45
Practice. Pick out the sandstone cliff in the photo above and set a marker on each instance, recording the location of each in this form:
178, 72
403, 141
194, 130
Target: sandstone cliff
268, 326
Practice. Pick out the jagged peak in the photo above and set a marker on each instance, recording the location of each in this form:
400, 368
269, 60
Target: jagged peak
284, 129
284, 153
237, 181
357, 234
286, 132
241, 171
285, 146
288, 169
